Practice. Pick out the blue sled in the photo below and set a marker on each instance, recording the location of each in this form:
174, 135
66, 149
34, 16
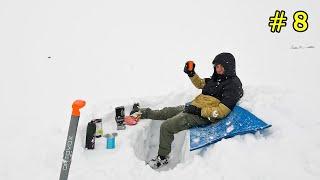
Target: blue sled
238, 122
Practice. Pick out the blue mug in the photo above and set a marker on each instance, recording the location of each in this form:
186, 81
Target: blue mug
110, 140
110, 144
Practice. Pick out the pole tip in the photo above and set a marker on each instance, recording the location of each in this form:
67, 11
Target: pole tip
76, 106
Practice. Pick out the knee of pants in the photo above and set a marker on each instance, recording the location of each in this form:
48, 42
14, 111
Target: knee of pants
175, 125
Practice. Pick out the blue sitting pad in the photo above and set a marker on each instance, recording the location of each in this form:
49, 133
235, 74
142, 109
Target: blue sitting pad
238, 122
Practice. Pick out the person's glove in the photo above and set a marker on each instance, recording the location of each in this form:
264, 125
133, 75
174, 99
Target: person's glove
189, 68
191, 109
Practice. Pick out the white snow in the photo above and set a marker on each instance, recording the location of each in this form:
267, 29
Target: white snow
113, 53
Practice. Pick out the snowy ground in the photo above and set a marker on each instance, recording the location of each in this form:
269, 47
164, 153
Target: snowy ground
113, 53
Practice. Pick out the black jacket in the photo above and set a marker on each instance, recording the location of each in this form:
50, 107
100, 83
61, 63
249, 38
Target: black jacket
227, 87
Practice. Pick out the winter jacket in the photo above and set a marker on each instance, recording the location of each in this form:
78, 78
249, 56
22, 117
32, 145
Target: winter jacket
220, 93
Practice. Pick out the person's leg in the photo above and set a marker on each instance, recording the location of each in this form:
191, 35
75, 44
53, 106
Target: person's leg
173, 125
162, 114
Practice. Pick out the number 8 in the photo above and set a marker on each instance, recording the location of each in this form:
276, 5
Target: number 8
300, 23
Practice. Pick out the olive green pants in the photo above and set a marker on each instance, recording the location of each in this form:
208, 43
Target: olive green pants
175, 121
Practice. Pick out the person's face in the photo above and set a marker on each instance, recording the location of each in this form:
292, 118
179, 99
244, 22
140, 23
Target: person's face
219, 69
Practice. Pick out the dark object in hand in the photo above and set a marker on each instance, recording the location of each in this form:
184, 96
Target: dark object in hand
189, 68
191, 109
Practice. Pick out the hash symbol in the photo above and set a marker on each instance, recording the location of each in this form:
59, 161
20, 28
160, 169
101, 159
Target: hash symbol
277, 21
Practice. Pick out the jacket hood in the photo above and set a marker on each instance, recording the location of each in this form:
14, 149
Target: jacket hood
227, 60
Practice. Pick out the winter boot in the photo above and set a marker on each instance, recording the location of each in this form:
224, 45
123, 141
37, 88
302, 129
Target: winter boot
135, 108
158, 162
135, 115
136, 112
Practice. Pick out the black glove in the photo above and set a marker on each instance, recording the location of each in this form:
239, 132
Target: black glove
189, 68
191, 109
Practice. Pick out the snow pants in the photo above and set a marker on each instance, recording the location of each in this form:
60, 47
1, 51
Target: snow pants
175, 121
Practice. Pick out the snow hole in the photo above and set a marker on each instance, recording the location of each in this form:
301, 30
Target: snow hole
146, 144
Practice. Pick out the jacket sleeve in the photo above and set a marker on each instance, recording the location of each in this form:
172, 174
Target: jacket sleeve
197, 81
217, 112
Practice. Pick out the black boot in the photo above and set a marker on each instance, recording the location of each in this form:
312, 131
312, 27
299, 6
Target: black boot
135, 108
159, 162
